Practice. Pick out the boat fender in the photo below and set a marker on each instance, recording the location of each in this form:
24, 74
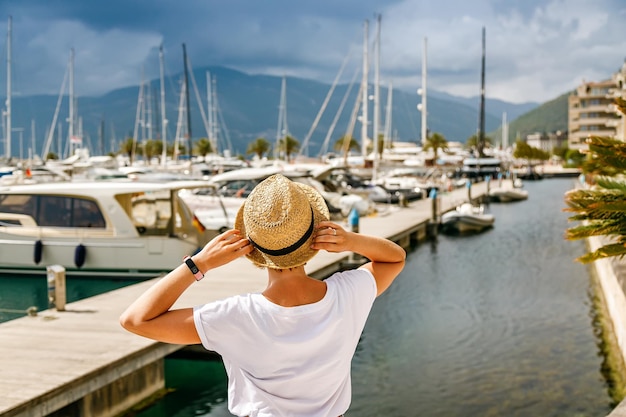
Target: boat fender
79, 255
38, 251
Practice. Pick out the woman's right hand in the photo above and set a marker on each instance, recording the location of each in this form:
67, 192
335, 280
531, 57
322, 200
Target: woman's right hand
331, 237
221, 250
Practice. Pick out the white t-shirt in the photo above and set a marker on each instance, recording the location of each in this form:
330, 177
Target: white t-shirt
289, 361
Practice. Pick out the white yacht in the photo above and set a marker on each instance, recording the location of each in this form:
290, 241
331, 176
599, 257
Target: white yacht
104, 229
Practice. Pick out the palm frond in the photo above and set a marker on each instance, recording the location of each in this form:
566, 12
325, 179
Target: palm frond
596, 228
602, 209
612, 183
614, 249
608, 152
621, 104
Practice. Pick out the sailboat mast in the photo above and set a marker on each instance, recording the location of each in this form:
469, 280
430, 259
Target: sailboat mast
101, 137
216, 125
481, 129
376, 127
7, 148
70, 131
186, 78
505, 132
388, 115
210, 113
423, 92
364, 98
163, 117
32, 139
282, 130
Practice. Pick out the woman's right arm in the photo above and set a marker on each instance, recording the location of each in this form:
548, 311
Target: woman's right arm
386, 257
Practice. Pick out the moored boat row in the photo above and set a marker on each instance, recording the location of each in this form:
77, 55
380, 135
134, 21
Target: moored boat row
142, 223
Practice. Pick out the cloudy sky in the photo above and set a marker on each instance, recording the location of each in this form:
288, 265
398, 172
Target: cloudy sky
536, 49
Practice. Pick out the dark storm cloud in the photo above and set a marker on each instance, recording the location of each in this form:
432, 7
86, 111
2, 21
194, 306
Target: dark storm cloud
536, 49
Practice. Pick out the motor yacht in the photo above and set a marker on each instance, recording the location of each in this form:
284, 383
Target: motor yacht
128, 229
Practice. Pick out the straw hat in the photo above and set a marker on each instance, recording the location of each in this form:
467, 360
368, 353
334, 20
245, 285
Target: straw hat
279, 218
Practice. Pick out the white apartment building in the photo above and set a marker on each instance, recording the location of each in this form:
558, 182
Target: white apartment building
547, 142
592, 111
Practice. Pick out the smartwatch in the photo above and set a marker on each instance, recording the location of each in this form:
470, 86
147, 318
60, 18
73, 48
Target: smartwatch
193, 268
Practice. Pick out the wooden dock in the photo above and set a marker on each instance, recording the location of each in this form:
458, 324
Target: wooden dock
80, 362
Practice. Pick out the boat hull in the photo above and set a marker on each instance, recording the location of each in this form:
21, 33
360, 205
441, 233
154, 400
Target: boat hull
120, 258
465, 221
105, 229
507, 195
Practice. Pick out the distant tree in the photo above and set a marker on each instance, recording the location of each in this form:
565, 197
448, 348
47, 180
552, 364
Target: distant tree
574, 158
126, 147
344, 144
52, 156
561, 151
157, 149
601, 208
288, 145
472, 142
171, 149
258, 147
204, 147
524, 151
351, 143
381, 144
152, 148
435, 142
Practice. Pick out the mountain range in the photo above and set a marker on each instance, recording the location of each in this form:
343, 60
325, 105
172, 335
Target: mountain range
248, 108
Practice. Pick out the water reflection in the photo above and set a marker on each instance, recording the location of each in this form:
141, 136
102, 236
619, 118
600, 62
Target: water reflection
490, 324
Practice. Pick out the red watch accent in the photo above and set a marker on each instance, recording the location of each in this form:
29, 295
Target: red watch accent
193, 268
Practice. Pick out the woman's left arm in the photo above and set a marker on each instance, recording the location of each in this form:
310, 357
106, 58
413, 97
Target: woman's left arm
150, 315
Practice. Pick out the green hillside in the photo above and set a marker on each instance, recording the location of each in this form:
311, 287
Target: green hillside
549, 117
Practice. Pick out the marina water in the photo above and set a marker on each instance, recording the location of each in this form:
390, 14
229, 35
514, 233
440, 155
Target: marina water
494, 324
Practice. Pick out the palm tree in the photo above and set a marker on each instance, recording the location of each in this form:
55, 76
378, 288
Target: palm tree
258, 147
204, 147
601, 208
171, 147
288, 145
157, 148
150, 149
380, 144
126, 148
344, 144
472, 142
435, 142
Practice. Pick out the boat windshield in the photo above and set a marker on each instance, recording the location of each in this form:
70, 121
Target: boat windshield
49, 211
150, 212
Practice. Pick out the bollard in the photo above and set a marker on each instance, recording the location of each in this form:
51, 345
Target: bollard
434, 222
488, 181
433, 196
56, 287
402, 200
353, 222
